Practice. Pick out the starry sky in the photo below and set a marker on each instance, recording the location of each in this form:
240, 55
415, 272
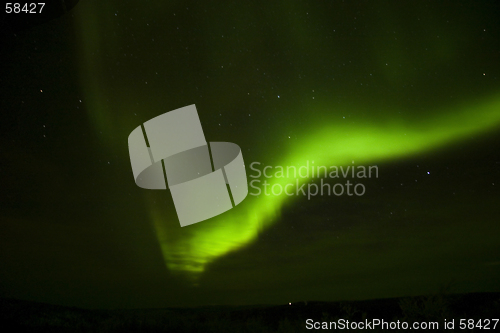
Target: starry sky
412, 89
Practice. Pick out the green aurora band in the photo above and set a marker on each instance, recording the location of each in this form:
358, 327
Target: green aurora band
191, 249
204, 242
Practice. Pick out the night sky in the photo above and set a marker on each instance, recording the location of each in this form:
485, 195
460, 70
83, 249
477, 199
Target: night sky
411, 88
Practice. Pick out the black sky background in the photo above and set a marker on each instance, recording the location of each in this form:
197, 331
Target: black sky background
75, 229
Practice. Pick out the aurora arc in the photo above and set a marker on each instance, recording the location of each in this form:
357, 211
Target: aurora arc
337, 142
205, 242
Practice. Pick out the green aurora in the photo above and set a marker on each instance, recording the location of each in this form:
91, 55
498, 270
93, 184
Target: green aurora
384, 133
202, 243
